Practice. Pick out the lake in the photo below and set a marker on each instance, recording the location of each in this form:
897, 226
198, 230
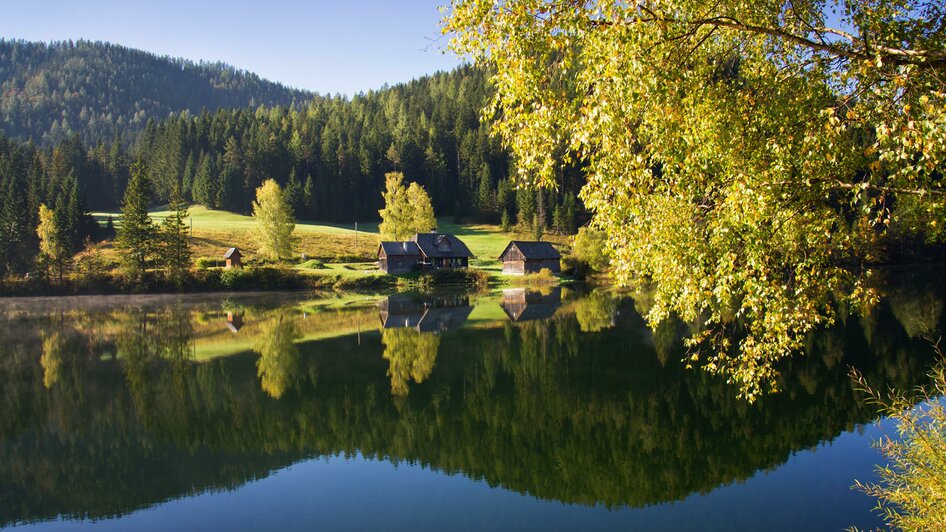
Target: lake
516, 409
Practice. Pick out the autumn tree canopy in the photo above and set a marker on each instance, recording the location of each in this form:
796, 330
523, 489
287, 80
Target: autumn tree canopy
743, 157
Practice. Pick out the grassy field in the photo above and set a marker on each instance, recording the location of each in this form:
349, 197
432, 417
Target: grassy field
344, 252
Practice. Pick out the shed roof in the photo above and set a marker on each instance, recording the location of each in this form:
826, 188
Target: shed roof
533, 250
232, 252
441, 245
400, 248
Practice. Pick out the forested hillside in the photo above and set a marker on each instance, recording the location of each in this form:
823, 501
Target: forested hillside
50, 92
333, 153
330, 153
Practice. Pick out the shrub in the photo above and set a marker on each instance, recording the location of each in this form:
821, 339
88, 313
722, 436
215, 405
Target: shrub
911, 493
203, 263
312, 264
470, 277
543, 277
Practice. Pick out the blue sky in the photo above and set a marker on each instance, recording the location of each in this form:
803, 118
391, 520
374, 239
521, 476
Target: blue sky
321, 45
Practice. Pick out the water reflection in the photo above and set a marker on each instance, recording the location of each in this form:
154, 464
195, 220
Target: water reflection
112, 409
425, 313
521, 304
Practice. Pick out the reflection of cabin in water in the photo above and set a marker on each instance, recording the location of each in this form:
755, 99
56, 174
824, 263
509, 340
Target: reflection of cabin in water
425, 314
234, 321
524, 305
521, 257
424, 251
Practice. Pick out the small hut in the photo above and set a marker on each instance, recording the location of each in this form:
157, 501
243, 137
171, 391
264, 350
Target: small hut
234, 258
398, 257
521, 257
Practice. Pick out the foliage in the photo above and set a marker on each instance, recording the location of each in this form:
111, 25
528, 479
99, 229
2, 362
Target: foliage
275, 222
410, 355
911, 492
96, 90
422, 217
397, 214
174, 241
543, 277
136, 236
596, 312
737, 153
53, 242
279, 357
407, 210
590, 247
203, 263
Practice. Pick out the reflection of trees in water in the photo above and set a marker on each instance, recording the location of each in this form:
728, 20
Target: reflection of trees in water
411, 356
278, 364
51, 359
535, 407
595, 312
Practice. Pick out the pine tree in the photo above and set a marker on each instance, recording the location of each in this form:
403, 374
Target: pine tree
308, 198
15, 223
136, 236
175, 254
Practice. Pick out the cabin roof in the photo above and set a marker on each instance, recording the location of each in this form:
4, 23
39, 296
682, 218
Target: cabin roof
232, 252
532, 250
441, 245
409, 249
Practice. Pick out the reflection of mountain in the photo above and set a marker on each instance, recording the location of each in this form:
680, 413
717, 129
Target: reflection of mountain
521, 304
424, 313
537, 407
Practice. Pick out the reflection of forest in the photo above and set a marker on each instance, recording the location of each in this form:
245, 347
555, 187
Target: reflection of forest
97, 423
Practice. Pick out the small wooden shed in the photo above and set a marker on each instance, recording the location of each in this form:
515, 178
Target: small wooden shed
398, 257
522, 256
234, 258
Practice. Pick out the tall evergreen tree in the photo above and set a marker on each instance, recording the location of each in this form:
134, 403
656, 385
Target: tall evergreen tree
175, 253
136, 235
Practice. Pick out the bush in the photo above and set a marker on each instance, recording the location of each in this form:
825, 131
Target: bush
543, 277
203, 263
911, 493
590, 249
312, 264
469, 277
366, 281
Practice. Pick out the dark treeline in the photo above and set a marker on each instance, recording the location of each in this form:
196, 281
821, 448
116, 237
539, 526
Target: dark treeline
61, 178
331, 154
50, 92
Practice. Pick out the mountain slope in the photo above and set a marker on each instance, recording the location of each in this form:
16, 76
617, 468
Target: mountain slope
51, 91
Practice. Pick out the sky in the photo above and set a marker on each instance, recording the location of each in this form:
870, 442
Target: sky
326, 46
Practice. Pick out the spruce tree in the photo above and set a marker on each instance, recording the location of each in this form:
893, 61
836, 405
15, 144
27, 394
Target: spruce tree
175, 254
136, 235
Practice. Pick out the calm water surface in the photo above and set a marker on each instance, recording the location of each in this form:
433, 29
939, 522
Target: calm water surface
512, 410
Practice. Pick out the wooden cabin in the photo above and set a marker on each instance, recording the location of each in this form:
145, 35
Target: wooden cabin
234, 258
522, 257
441, 251
424, 251
398, 257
